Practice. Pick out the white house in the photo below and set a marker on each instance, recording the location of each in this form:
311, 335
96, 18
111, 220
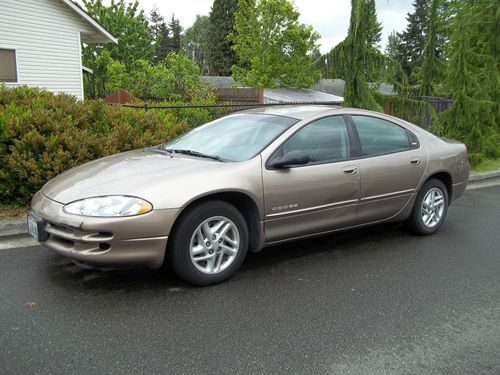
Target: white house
40, 43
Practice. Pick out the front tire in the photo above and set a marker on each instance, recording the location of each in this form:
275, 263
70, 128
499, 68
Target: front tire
209, 243
430, 209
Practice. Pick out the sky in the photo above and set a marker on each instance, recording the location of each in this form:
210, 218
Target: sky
330, 18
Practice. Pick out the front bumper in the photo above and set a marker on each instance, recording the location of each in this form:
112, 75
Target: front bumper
134, 241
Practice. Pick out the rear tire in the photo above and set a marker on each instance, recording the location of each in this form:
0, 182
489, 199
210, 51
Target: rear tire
430, 209
209, 243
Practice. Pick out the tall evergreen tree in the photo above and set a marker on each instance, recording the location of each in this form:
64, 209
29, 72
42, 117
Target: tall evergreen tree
161, 35
414, 37
356, 59
473, 79
221, 56
361, 55
374, 27
432, 67
174, 40
156, 24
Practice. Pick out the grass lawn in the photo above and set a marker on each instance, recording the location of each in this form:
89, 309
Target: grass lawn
11, 212
487, 165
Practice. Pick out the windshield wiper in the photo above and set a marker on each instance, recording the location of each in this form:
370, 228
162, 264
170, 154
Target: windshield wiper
193, 153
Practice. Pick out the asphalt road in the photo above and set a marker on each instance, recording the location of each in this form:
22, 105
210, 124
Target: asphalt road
377, 300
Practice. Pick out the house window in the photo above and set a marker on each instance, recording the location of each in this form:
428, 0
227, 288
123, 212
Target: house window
8, 67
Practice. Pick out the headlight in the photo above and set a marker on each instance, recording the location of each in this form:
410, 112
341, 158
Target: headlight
110, 206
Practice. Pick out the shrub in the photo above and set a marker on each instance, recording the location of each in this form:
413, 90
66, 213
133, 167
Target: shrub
191, 115
176, 78
42, 135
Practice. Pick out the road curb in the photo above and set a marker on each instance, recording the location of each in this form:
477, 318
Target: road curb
481, 176
13, 228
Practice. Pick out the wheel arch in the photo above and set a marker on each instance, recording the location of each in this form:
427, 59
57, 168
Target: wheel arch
446, 179
244, 203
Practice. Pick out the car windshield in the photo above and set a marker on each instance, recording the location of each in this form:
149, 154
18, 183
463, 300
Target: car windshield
235, 138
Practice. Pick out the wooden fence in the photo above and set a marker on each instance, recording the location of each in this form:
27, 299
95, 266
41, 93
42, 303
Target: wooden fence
121, 97
240, 95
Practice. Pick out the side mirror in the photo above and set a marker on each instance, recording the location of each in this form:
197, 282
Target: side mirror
291, 158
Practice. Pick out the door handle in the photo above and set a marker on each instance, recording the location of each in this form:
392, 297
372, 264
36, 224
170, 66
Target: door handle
415, 161
350, 170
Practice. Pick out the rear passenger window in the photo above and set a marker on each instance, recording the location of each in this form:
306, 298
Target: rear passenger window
379, 137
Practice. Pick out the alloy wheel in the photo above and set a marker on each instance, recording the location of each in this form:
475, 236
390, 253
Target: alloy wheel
432, 207
214, 245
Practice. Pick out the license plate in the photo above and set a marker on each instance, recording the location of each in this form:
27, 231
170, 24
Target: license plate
36, 227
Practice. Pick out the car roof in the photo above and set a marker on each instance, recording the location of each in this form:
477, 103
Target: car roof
296, 111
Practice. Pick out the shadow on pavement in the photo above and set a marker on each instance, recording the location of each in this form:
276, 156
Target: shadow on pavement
64, 273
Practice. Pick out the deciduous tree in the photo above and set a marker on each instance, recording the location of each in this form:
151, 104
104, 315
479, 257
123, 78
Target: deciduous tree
274, 49
126, 22
195, 42
392, 47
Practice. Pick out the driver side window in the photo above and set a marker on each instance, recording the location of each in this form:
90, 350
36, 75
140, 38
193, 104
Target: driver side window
324, 140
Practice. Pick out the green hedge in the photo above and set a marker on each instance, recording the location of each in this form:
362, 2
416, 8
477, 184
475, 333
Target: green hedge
43, 134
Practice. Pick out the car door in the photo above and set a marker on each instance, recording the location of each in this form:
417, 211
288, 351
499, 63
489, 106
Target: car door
318, 196
392, 163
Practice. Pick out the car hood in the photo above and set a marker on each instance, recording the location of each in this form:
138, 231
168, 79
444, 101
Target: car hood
147, 174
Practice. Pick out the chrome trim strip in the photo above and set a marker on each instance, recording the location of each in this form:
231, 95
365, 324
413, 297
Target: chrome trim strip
387, 195
312, 208
342, 229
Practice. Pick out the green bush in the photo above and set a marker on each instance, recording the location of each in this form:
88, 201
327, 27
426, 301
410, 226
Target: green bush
176, 78
191, 115
42, 135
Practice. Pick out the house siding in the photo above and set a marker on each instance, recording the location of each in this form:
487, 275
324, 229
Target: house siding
46, 37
